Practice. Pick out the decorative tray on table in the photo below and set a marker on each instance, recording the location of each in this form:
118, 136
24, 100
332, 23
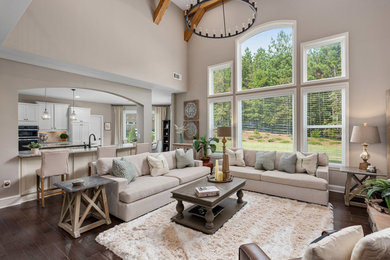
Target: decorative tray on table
212, 179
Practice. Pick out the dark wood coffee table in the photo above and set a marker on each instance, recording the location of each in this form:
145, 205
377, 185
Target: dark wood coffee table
221, 205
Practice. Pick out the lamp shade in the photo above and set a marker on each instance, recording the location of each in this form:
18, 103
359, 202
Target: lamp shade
365, 134
224, 131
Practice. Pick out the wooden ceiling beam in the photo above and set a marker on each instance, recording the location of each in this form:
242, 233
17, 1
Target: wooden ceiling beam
195, 21
198, 15
208, 5
160, 11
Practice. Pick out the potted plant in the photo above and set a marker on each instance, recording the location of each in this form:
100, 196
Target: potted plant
378, 194
204, 144
34, 147
64, 136
132, 135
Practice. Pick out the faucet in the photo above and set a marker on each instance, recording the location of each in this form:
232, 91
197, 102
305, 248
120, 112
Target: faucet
89, 139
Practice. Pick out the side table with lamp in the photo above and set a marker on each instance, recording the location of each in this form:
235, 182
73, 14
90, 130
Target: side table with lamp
356, 176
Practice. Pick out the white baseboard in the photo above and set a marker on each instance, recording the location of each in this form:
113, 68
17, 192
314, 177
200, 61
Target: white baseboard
16, 200
336, 188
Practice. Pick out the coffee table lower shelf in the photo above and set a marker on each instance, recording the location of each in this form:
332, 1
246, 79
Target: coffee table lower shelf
198, 223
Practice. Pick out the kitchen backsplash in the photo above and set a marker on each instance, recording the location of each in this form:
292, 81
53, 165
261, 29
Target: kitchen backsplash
53, 136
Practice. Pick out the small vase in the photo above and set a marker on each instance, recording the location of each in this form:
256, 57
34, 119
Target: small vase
35, 150
181, 138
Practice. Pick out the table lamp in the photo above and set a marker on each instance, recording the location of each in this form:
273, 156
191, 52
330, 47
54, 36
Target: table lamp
365, 135
225, 131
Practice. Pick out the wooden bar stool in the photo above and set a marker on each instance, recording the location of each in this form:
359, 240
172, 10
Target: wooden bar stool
53, 163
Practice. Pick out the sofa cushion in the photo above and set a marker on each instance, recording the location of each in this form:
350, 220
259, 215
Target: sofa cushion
140, 163
297, 180
236, 157
146, 186
171, 159
104, 166
265, 160
184, 159
288, 163
375, 246
188, 174
338, 245
123, 169
247, 172
250, 157
323, 159
307, 163
158, 164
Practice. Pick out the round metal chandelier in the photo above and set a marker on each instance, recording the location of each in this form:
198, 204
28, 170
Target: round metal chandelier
225, 33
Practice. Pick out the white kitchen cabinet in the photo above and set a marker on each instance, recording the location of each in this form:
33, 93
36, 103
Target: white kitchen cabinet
59, 117
83, 114
79, 132
27, 114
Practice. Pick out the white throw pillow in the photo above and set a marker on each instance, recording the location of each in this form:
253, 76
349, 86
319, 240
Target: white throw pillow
338, 245
307, 163
158, 164
236, 157
104, 166
375, 246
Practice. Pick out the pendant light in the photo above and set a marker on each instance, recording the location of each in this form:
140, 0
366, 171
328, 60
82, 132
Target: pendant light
45, 115
73, 116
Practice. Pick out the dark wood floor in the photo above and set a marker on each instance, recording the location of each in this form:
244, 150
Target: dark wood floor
29, 232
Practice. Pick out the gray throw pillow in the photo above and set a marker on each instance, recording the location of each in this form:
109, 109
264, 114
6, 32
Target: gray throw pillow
184, 159
287, 163
265, 161
123, 169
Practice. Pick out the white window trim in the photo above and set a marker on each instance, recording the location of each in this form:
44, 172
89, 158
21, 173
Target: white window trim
344, 86
210, 121
130, 111
276, 93
343, 38
210, 71
259, 29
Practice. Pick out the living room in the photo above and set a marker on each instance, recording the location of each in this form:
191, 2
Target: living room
293, 78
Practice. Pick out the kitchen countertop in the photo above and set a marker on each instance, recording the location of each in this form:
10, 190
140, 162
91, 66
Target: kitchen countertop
28, 154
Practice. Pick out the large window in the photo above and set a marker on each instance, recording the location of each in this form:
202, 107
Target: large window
220, 78
266, 56
130, 125
324, 122
220, 114
266, 122
325, 59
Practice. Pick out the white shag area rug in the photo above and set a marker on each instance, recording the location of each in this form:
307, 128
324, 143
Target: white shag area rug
281, 227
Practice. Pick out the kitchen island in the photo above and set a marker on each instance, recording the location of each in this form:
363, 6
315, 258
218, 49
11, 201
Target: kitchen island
79, 157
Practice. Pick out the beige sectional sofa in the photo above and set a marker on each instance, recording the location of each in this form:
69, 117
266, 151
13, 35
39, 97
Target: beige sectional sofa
299, 186
146, 193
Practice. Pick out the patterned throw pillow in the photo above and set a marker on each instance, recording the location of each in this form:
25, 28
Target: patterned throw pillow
123, 169
265, 161
287, 163
158, 164
307, 163
236, 157
184, 159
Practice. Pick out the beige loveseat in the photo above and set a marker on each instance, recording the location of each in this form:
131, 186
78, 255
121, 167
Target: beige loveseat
146, 193
299, 186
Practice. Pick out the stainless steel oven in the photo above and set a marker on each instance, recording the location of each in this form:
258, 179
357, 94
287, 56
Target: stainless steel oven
27, 134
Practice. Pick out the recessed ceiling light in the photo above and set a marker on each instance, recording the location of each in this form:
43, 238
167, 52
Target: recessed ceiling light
77, 97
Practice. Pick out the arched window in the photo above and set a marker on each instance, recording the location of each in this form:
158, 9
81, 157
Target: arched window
266, 56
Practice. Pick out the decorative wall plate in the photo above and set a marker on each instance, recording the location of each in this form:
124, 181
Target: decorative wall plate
192, 129
191, 110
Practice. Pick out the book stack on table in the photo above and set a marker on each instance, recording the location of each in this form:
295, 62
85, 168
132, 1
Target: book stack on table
206, 191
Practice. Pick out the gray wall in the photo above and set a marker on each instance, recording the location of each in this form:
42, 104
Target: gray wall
16, 76
367, 23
